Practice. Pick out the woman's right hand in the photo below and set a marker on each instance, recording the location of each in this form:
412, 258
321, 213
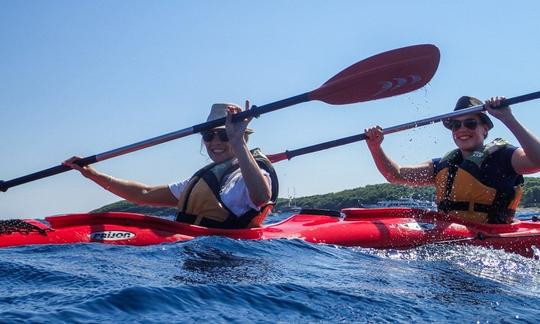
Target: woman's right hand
374, 136
84, 170
236, 130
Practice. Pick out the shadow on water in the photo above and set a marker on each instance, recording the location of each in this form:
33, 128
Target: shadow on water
204, 264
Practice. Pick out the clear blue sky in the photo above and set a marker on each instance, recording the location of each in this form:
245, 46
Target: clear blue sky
84, 77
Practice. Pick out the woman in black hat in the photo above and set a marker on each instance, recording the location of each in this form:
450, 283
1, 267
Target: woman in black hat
474, 182
236, 190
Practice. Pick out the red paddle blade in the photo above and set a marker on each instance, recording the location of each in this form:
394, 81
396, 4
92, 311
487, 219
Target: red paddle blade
277, 157
384, 75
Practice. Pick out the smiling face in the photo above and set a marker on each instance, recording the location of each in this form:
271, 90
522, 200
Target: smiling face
218, 149
467, 139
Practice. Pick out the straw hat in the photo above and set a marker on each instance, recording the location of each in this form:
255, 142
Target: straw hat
219, 110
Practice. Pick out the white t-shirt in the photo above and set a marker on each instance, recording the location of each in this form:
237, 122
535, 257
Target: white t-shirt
234, 193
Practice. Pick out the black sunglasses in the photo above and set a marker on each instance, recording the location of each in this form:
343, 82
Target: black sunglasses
208, 136
454, 124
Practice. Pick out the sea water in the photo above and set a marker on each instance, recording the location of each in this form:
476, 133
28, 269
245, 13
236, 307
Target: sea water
216, 279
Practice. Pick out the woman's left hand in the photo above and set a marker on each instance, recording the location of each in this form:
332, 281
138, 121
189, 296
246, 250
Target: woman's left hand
236, 130
493, 106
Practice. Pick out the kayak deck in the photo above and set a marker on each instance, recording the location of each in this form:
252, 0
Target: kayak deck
381, 228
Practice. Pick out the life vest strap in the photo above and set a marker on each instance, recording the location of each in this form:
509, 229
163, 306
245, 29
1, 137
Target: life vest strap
231, 222
502, 215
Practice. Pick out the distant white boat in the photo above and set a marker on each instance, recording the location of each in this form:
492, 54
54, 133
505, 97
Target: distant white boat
291, 207
288, 209
407, 202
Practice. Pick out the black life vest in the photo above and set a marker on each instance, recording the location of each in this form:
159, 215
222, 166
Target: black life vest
461, 192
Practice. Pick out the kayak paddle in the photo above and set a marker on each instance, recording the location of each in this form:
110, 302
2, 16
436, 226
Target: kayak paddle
383, 75
422, 122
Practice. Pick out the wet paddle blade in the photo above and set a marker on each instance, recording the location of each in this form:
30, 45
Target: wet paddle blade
384, 75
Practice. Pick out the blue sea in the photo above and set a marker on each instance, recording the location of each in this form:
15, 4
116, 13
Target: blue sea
215, 279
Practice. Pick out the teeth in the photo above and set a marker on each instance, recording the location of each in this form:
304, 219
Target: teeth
218, 150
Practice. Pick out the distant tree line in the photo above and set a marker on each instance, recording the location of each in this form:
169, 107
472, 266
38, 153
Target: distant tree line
357, 197
371, 194
531, 193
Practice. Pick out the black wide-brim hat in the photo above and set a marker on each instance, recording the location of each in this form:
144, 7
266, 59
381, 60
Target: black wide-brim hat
466, 102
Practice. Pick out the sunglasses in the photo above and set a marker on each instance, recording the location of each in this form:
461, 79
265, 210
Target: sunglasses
454, 124
208, 136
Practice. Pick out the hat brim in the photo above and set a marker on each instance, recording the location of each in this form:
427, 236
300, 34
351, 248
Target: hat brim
486, 120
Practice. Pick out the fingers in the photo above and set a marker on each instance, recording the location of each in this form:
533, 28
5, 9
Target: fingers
236, 129
228, 118
232, 110
374, 130
494, 102
71, 163
247, 104
374, 134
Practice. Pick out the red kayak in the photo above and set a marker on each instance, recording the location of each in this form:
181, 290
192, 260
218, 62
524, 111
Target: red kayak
380, 228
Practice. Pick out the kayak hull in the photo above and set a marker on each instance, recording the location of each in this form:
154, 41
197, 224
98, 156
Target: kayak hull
379, 228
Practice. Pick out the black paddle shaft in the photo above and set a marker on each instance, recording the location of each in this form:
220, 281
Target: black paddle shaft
253, 112
418, 123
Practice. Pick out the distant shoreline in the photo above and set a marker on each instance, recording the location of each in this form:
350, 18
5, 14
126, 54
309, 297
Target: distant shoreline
350, 198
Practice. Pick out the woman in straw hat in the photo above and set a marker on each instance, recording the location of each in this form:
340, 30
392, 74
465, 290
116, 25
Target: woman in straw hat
235, 191
474, 182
